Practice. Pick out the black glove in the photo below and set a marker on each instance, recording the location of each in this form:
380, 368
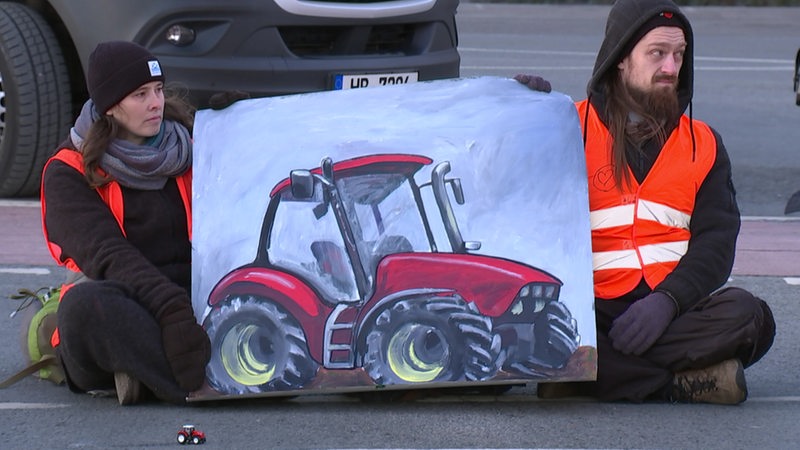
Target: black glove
643, 323
534, 82
186, 345
222, 100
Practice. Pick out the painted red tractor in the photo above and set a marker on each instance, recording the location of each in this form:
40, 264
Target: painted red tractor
348, 275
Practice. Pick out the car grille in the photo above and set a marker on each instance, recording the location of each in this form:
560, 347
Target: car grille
357, 40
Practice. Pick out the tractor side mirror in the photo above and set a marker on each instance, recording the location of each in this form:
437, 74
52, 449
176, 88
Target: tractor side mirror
458, 191
327, 168
472, 246
302, 184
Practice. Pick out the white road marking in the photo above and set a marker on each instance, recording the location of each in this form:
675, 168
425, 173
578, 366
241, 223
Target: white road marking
745, 64
523, 51
754, 61
18, 406
584, 68
334, 398
25, 270
784, 399
25, 203
526, 398
771, 218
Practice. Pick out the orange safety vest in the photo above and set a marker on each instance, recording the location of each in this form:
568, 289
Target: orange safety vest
642, 230
111, 193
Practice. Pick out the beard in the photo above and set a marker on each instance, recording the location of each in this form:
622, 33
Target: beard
657, 111
659, 104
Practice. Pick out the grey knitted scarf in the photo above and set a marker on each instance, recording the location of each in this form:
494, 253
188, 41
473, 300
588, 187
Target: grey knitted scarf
146, 166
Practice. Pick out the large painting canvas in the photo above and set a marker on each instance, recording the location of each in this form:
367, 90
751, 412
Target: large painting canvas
398, 237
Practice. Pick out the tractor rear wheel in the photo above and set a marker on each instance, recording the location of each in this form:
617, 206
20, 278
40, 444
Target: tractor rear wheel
256, 346
428, 340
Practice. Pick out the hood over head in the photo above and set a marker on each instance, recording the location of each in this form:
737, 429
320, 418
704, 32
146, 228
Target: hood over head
628, 21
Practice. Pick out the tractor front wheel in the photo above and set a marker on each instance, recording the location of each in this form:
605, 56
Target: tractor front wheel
548, 343
557, 337
256, 346
430, 340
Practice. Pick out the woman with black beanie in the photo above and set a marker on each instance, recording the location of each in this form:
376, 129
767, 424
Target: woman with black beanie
116, 209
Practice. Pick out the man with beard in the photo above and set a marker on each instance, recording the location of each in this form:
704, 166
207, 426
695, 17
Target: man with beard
664, 224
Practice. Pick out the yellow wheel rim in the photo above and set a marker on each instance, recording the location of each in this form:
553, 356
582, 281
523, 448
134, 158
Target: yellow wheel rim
243, 358
417, 354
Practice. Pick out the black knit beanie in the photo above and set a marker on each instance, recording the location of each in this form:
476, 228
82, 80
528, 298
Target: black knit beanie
663, 19
116, 69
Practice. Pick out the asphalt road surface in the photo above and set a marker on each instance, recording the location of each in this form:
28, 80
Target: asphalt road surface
743, 88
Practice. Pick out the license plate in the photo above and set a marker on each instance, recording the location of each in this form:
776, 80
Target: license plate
368, 80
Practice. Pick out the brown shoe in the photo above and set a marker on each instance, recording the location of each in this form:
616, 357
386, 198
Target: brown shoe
722, 383
128, 389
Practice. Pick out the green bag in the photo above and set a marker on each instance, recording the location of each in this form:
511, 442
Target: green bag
38, 323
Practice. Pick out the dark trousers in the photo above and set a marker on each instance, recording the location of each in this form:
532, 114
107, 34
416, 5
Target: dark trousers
103, 331
731, 323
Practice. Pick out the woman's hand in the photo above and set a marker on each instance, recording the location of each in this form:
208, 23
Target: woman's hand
186, 345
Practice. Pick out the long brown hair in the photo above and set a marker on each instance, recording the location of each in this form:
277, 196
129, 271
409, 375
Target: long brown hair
104, 130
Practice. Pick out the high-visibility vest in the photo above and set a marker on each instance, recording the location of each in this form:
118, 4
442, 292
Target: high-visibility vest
111, 193
642, 230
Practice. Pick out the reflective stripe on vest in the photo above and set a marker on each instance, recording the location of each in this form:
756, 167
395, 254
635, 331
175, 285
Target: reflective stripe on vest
642, 230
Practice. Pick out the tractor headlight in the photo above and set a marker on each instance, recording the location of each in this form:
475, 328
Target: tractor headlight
530, 300
534, 296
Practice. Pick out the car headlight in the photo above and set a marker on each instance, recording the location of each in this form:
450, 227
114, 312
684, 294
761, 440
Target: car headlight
180, 35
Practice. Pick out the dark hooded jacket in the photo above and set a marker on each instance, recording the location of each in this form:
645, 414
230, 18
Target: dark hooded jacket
715, 221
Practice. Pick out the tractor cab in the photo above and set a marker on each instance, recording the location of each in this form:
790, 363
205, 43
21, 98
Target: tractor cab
357, 211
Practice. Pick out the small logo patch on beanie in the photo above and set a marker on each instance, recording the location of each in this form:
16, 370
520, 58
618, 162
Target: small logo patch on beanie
667, 14
155, 68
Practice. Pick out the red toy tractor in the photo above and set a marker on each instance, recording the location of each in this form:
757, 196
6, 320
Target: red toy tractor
189, 435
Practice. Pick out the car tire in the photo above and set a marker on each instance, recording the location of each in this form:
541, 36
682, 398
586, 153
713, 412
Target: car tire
35, 98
